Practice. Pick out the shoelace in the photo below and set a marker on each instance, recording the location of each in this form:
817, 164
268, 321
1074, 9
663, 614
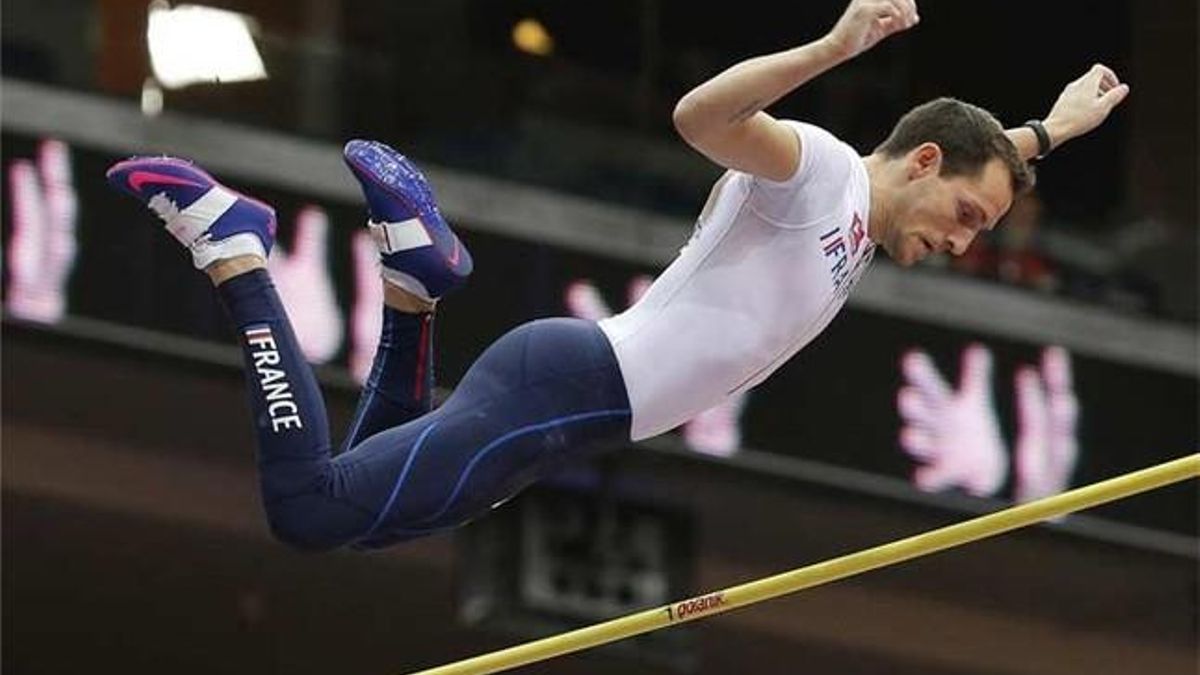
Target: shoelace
163, 206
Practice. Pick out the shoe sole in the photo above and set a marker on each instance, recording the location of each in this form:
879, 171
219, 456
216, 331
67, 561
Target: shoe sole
365, 165
364, 158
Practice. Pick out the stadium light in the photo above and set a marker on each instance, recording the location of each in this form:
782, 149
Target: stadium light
531, 37
190, 44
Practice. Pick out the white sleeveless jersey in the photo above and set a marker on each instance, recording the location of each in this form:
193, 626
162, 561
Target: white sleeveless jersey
767, 268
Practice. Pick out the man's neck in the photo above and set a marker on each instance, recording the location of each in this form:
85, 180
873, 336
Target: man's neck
879, 223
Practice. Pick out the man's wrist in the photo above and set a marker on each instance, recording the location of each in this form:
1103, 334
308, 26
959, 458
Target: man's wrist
1044, 145
1059, 133
835, 48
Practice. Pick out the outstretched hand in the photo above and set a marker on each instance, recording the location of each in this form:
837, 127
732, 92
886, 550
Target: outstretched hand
866, 22
1046, 446
953, 433
1085, 103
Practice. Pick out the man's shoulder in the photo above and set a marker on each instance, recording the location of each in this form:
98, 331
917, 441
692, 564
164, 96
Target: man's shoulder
808, 129
822, 155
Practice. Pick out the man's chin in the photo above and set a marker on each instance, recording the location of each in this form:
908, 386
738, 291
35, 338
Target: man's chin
905, 257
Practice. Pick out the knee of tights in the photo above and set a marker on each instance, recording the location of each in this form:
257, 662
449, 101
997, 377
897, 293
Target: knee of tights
303, 534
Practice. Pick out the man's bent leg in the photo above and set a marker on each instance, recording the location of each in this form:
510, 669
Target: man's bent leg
421, 259
229, 236
290, 422
400, 385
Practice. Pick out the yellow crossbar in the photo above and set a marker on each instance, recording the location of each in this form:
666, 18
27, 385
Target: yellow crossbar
710, 604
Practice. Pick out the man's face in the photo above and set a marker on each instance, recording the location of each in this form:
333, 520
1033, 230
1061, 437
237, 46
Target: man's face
936, 214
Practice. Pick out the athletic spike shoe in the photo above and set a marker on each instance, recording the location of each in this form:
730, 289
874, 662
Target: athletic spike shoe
212, 221
418, 250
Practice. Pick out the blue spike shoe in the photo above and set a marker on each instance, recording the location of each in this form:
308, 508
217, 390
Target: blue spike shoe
418, 250
210, 220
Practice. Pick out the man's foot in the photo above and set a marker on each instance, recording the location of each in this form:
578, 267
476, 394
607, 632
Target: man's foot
212, 221
419, 251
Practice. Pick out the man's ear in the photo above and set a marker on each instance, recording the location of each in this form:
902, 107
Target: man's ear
924, 160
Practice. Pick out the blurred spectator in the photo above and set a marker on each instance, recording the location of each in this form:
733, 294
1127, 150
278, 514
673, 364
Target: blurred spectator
1011, 253
1020, 260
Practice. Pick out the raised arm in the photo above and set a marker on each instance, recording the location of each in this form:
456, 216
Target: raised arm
1081, 107
724, 119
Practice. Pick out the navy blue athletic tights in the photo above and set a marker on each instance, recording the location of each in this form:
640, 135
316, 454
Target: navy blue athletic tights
544, 394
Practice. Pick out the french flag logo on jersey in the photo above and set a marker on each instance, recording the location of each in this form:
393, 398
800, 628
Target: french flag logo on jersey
259, 333
857, 234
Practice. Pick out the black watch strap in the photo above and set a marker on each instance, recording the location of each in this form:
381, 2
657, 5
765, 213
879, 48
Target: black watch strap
1043, 138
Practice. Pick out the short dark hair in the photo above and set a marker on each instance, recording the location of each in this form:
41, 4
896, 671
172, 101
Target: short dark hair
968, 135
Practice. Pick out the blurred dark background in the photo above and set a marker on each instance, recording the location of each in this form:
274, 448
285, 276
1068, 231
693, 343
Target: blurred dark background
132, 536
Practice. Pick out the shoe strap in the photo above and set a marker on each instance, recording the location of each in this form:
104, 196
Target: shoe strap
191, 223
401, 236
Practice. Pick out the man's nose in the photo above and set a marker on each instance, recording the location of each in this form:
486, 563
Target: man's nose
959, 240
